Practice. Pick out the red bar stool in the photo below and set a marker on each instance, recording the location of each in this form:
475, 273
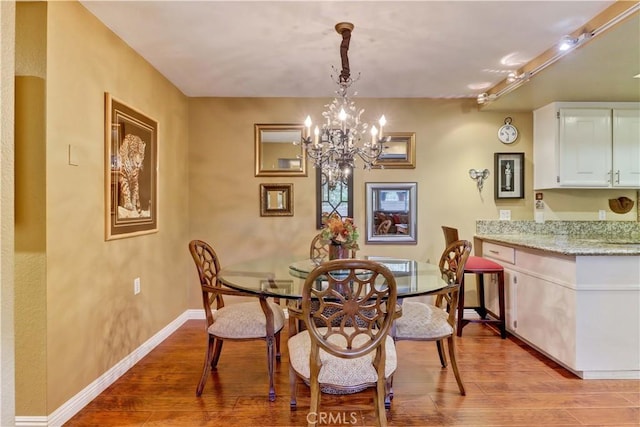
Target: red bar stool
479, 266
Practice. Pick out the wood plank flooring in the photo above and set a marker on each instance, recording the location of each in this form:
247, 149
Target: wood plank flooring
507, 383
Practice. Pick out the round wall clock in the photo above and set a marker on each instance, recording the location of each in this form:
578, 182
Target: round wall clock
507, 133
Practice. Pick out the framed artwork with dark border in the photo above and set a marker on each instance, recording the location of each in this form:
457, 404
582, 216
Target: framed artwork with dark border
276, 199
400, 151
131, 171
509, 175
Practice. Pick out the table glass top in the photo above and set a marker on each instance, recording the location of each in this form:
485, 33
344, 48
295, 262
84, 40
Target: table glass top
284, 276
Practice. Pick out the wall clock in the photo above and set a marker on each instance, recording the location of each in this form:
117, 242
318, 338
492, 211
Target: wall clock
507, 133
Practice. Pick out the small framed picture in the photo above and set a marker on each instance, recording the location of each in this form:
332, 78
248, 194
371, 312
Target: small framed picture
399, 153
509, 175
276, 199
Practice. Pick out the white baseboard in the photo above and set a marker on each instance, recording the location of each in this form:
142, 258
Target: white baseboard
65, 412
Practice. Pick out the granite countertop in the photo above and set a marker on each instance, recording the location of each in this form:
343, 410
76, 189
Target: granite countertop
567, 244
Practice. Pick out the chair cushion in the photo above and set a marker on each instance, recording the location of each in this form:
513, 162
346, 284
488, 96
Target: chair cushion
422, 321
477, 264
335, 370
245, 320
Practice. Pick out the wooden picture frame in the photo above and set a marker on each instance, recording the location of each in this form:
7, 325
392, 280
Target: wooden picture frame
276, 199
279, 150
391, 212
509, 175
131, 171
400, 151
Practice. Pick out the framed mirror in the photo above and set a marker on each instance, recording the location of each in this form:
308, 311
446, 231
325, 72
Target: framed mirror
391, 212
276, 199
400, 151
276, 151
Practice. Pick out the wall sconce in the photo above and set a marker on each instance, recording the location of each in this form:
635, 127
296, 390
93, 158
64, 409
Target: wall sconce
479, 177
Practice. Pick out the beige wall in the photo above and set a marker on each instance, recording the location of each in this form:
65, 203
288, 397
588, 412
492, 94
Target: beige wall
451, 137
30, 208
7, 154
93, 319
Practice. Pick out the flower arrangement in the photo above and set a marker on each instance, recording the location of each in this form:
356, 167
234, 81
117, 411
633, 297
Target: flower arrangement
340, 231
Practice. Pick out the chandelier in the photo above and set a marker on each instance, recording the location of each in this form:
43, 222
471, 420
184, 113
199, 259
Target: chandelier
343, 136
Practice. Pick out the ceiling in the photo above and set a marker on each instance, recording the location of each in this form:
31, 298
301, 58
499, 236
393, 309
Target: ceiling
401, 49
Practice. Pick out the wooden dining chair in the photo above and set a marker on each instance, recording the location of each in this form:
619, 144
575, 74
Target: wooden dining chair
258, 319
355, 353
319, 250
437, 322
480, 266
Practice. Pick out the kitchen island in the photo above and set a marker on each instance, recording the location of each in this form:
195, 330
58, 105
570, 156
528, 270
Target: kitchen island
573, 296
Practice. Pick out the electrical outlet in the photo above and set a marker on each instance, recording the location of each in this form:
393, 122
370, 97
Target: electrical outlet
602, 214
136, 286
505, 214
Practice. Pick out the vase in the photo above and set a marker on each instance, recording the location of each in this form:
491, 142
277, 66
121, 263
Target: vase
338, 251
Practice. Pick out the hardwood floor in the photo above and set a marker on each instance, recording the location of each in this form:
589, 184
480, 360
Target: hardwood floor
507, 384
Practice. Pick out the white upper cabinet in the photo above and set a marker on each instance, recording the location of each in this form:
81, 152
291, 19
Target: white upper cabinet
626, 148
587, 145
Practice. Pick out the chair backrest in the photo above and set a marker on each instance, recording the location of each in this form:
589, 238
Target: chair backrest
450, 234
452, 262
357, 291
208, 265
319, 249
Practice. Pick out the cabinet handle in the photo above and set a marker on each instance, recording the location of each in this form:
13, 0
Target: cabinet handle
494, 252
618, 176
610, 179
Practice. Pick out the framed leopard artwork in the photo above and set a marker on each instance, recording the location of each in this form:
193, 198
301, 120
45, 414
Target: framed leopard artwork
131, 153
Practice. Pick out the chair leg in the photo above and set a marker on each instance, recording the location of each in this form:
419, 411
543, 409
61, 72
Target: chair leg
460, 321
503, 317
314, 403
270, 359
278, 345
388, 393
379, 399
454, 364
207, 363
293, 388
481, 309
216, 353
443, 358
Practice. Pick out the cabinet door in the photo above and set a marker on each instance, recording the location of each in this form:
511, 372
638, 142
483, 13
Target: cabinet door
546, 317
626, 148
585, 147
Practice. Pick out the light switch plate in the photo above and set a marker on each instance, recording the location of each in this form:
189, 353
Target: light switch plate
505, 214
73, 155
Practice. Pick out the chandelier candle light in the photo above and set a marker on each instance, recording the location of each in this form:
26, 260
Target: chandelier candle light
343, 136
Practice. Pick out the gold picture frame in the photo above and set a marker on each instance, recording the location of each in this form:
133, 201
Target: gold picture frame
276, 199
131, 171
400, 151
276, 151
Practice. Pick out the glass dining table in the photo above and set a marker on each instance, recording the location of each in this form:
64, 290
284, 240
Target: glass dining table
284, 277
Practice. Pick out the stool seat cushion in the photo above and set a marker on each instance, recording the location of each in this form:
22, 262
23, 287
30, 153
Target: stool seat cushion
476, 264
